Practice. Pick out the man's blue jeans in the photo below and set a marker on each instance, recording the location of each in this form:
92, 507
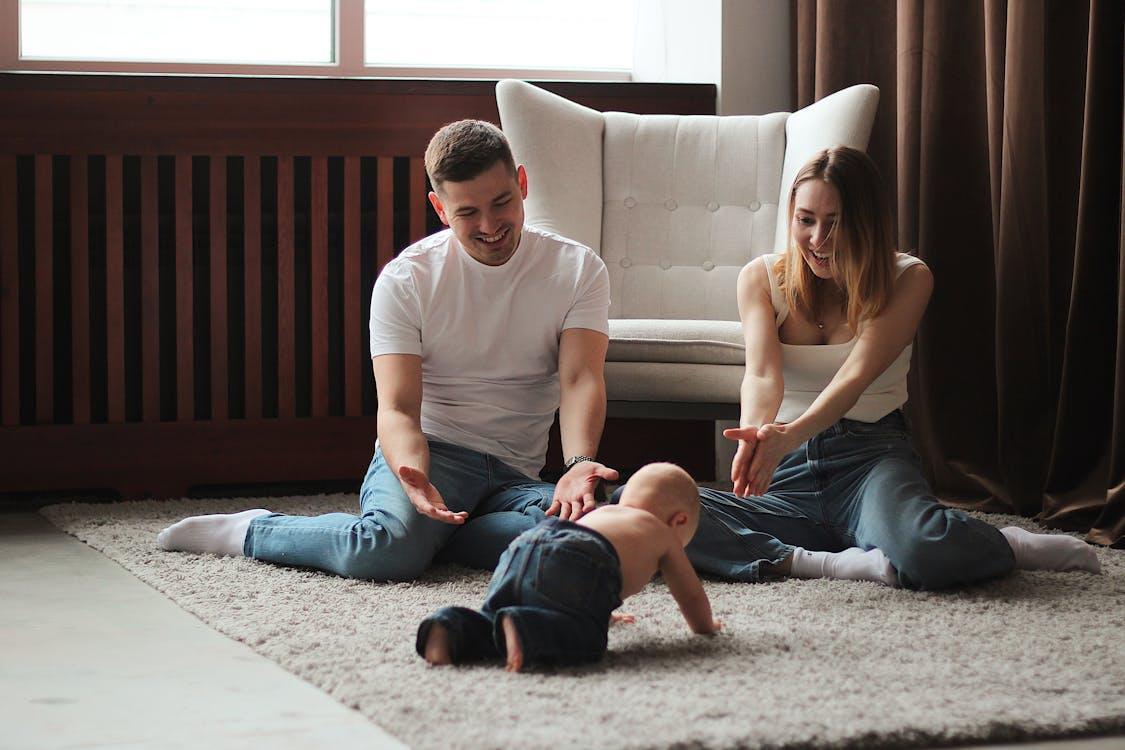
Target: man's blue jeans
390, 540
559, 583
856, 484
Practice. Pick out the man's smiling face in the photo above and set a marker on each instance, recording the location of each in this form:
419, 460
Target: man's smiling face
485, 213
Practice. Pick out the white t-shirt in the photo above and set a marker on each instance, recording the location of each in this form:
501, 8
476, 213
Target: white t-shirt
489, 336
808, 369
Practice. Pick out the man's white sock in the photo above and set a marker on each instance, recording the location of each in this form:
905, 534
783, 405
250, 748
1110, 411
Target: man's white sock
1050, 551
218, 534
853, 564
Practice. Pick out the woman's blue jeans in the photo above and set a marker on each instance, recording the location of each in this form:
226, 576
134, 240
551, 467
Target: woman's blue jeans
856, 484
558, 583
391, 541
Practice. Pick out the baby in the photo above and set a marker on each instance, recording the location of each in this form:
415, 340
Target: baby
555, 589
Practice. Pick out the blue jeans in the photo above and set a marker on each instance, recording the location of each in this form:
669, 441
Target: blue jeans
390, 540
558, 583
856, 484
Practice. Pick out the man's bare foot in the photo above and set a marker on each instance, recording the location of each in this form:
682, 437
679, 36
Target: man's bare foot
437, 646
512, 645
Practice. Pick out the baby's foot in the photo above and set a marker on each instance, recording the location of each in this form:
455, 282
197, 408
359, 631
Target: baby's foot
512, 645
437, 650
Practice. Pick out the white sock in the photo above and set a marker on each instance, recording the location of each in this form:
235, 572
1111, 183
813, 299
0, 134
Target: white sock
852, 564
1050, 551
219, 534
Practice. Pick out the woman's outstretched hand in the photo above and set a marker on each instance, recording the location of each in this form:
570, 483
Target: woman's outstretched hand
747, 438
774, 441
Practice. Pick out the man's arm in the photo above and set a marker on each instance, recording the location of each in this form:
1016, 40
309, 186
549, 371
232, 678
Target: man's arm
581, 418
398, 384
687, 590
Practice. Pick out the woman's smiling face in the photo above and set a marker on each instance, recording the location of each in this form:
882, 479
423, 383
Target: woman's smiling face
816, 211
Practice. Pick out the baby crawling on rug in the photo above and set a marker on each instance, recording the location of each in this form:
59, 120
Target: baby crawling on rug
555, 589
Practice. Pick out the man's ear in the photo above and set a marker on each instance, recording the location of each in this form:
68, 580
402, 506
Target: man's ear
679, 518
521, 177
435, 201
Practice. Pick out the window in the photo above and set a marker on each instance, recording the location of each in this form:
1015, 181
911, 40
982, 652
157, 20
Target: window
434, 38
206, 31
530, 34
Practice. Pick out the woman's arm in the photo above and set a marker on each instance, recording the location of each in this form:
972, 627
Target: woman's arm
762, 384
880, 343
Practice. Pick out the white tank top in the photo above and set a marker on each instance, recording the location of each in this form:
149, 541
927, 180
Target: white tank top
808, 369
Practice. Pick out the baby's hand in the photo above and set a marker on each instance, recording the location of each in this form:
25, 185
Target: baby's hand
621, 618
716, 626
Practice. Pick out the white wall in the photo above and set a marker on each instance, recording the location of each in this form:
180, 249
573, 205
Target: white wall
742, 46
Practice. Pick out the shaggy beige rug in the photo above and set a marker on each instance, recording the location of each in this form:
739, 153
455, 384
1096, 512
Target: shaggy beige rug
801, 664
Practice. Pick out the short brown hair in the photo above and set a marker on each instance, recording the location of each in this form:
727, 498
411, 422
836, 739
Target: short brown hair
466, 149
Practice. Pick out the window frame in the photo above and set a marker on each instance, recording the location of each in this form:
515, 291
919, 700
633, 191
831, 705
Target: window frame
349, 53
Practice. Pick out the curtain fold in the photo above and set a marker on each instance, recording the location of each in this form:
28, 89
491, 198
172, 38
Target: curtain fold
1000, 131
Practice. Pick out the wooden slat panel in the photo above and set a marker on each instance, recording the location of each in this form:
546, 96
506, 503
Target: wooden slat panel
44, 292
319, 279
185, 353
218, 260
114, 290
9, 292
144, 114
353, 361
80, 287
252, 264
150, 291
417, 198
384, 212
286, 307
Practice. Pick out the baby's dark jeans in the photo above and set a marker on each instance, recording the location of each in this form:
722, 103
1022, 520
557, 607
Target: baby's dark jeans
558, 582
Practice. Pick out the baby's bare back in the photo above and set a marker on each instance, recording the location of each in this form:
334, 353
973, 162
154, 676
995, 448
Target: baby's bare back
640, 538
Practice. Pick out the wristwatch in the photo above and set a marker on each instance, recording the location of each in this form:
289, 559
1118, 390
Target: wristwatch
570, 462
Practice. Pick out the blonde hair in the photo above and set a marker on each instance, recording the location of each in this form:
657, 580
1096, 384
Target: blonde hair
864, 256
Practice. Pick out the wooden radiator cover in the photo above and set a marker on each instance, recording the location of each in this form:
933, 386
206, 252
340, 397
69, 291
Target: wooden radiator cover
186, 265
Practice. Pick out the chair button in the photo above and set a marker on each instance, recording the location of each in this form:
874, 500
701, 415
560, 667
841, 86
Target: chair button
712, 206
755, 206
670, 204
708, 265
625, 263
665, 264
630, 202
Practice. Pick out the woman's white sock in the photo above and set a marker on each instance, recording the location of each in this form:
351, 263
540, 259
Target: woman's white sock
1050, 551
853, 564
218, 534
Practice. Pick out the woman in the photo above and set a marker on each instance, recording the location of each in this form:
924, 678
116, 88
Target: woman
826, 483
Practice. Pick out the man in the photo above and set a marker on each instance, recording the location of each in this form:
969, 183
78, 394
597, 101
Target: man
478, 334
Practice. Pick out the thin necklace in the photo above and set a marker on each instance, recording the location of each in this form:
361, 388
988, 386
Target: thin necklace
819, 318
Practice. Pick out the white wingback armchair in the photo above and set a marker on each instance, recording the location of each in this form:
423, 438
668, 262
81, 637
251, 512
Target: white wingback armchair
675, 206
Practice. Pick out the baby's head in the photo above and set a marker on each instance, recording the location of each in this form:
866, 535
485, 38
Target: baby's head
669, 493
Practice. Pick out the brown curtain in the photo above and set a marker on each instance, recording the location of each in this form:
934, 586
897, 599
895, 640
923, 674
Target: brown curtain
1000, 129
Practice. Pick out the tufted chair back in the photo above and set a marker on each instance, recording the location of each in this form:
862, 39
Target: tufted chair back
675, 205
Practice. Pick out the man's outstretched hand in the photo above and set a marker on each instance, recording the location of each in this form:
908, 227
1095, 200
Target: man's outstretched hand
426, 498
574, 494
